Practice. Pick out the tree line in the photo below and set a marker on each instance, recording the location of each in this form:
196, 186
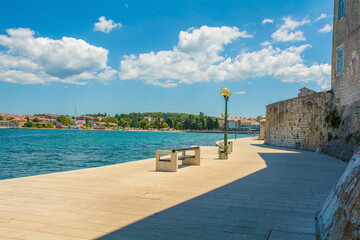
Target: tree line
178, 121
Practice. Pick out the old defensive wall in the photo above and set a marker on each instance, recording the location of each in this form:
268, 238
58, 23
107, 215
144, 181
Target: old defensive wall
314, 122
329, 122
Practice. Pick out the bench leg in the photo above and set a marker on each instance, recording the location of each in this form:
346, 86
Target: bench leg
168, 166
194, 160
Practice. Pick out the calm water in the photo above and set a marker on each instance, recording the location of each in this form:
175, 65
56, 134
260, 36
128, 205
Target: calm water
26, 152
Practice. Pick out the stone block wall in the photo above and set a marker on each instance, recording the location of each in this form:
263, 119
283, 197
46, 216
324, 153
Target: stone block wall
298, 122
342, 141
314, 122
346, 34
339, 217
262, 131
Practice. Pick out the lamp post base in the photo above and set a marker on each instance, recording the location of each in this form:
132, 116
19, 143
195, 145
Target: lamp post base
223, 155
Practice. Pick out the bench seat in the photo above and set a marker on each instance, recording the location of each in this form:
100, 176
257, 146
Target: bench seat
186, 157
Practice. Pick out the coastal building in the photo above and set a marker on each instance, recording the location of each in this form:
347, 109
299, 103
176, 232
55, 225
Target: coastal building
151, 119
255, 127
345, 64
327, 121
5, 124
234, 123
50, 116
245, 125
14, 123
305, 91
221, 124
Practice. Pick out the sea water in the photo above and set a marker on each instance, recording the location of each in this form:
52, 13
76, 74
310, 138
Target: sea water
26, 152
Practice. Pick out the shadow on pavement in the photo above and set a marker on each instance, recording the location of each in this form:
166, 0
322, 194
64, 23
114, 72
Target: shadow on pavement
282, 198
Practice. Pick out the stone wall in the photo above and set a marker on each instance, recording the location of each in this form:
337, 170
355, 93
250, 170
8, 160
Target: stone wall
339, 217
341, 141
262, 130
346, 34
298, 122
315, 123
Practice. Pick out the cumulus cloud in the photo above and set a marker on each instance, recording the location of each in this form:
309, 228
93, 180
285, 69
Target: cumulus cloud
42, 60
322, 16
265, 44
286, 31
327, 28
106, 26
241, 92
196, 58
267, 20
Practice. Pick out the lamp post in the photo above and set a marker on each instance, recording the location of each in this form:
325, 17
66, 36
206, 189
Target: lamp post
226, 94
235, 128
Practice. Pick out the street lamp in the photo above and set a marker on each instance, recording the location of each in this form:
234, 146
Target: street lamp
226, 94
235, 128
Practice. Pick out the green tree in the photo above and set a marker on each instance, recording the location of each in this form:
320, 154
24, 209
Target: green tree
111, 120
28, 124
86, 125
134, 123
143, 123
50, 125
1, 118
209, 123
217, 124
64, 120
10, 118
169, 122
36, 120
165, 125
157, 124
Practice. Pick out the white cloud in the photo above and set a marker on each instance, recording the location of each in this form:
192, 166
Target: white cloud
267, 20
241, 92
322, 16
106, 25
327, 28
197, 58
43, 60
265, 44
107, 74
286, 31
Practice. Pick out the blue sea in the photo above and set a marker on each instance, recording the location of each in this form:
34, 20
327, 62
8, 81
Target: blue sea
27, 152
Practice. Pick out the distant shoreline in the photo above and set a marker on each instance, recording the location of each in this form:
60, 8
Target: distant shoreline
135, 130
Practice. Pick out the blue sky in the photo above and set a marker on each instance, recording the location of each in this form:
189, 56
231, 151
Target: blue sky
170, 56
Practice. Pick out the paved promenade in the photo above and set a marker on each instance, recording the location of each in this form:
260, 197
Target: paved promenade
260, 192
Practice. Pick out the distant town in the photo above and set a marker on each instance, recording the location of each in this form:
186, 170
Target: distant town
132, 121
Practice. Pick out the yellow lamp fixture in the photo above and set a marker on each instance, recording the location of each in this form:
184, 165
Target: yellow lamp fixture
225, 92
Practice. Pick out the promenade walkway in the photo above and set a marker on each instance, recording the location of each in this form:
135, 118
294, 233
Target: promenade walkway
260, 192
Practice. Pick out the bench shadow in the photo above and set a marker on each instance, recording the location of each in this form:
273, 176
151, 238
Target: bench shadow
284, 196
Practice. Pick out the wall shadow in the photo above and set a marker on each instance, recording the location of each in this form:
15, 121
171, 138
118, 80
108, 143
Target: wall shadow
278, 148
284, 196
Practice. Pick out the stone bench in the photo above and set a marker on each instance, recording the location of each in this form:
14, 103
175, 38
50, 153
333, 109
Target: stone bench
169, 163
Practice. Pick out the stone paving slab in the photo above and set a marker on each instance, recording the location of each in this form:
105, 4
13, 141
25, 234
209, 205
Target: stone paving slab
257, 191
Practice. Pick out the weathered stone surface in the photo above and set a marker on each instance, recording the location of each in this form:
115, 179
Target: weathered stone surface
342, 142
262, 130
339, 217
346, 34
298, 122
308, 123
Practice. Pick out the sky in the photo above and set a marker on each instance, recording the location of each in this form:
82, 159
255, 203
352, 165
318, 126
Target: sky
169, 56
